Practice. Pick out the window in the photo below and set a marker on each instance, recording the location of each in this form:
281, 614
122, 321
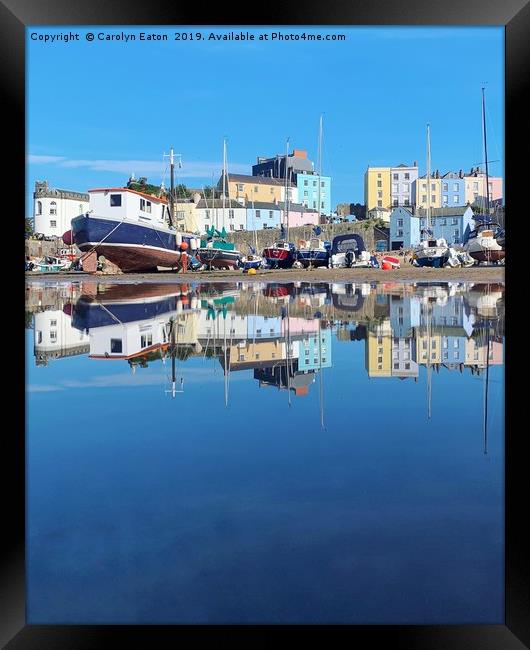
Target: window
230, 214
380, 204
475, 187
314, 204
456, 235
455, 187
53, 224
454, 221
379, 183
207, 214
395, 187
445, 198
395, 202
407, 176
400, 222
115, 344
232, 226
433, 199
379, 359
396, 366
395, 176
405, 187
239, 187
424, 186
446, 187
399, 233
379, 195
322, 204
322, 184
305, 183
433, 187
241, 227
378, 175
146, 340
39, 207
423, 221
53, 323
424, 198
455, 343
305, 193
53, 207
455, 198
115, 200
145, 206
407, 202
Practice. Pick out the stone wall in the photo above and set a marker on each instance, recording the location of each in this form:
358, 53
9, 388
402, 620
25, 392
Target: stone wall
267, 237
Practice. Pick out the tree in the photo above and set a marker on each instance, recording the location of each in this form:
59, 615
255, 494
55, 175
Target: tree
29, 225
209, 192
182, 191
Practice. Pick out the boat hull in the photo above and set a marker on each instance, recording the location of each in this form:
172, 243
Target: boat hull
278, 258
488, 255
312, 258
131, 246
217, 258
435, 261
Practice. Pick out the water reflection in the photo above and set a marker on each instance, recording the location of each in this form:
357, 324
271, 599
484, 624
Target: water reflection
302, 411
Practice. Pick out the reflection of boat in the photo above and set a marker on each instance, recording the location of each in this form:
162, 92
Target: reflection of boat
275, 290
347, 251
117, 305
51, 264
350, 300
130, 228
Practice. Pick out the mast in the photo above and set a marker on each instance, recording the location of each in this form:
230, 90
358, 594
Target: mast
224, 179
319, 166
172, 189
486, 154
286, 187
429, 176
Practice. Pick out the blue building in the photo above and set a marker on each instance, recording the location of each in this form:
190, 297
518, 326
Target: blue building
307, 185
263, 215
453, 190
315, 354
451, 223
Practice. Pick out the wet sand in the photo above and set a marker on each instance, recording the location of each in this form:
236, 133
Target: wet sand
406, 274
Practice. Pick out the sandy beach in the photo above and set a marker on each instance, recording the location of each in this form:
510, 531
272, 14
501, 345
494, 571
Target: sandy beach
408, 274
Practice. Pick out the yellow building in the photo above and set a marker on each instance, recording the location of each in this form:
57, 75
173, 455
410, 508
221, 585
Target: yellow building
186, 215
257, 188
378, 350
377, 188
435, 189
428, 347
246, 354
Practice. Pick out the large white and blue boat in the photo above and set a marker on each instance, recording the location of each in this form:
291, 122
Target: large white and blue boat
133, 229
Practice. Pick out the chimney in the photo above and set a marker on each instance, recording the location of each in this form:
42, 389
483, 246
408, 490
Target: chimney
196, 197
461, 174
415, 163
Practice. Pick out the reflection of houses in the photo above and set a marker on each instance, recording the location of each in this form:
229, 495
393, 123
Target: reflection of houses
378, 349
286, 377
55, 338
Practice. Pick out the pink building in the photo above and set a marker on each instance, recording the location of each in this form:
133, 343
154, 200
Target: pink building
299, 215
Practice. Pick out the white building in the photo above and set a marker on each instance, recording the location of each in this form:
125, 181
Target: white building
228, 214
54, 209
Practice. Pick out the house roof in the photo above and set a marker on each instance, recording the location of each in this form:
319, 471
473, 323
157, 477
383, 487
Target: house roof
262, 205
295, 207
218, 203
256, 180
449, 211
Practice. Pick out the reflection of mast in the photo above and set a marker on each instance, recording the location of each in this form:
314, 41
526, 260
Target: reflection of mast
287, 368
429, 378
173, 346
321, 374
226, 366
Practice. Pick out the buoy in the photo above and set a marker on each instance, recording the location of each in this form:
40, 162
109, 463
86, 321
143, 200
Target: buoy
184, 246
252, 271
386, 266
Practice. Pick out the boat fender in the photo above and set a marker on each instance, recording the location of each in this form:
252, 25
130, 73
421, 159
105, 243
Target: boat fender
194, 244
302, 243
178, 239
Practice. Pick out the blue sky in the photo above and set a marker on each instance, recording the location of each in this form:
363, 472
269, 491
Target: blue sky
97, 111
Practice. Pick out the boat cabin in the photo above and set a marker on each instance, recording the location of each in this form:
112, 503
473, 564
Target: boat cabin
123, 203
349, 242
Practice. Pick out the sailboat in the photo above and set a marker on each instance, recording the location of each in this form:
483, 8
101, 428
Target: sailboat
215, 250
134, 230
252, 260
486, 242
282, 254
315, 252
430, 251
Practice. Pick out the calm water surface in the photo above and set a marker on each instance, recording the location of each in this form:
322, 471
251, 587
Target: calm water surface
246, 453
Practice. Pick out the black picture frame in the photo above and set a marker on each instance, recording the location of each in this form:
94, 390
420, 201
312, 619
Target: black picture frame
15, 15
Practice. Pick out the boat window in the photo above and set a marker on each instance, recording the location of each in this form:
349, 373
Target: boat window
116, 344
115, 200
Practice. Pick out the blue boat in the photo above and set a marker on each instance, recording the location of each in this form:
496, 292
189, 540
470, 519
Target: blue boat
315, 253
